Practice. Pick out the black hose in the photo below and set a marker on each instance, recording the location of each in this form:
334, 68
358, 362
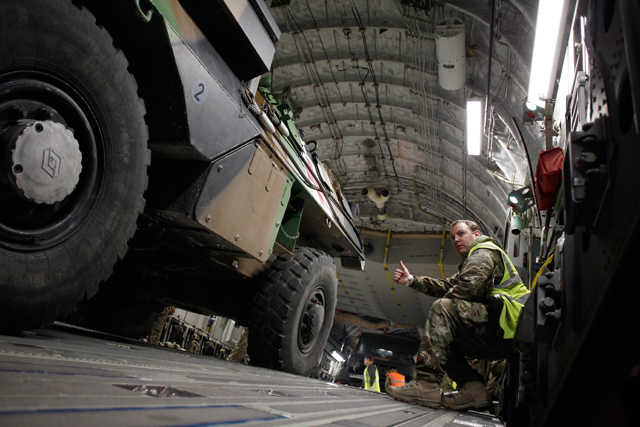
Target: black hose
486, 107
533, 177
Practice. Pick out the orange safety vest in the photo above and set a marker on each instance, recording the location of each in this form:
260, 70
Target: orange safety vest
397, 380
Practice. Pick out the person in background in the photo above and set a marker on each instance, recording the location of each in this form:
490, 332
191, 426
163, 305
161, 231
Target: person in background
394, 379
239, 352
371, 378
159, 324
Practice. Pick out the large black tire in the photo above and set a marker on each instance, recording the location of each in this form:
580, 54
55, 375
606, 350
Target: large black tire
60, 70
293, 312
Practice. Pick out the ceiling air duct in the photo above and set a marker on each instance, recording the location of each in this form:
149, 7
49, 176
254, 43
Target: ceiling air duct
380, 199
450, 51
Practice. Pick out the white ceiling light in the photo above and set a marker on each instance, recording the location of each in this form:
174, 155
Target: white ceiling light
551, 17
474, 126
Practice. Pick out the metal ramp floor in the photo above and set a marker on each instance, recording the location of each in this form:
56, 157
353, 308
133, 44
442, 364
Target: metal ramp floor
60, 377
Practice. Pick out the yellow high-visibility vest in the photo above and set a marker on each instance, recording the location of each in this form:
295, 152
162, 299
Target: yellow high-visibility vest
367, 379
514, 293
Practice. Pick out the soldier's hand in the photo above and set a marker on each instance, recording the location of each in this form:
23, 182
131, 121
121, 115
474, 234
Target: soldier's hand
401, 275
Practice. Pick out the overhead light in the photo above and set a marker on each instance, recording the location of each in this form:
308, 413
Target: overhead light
544, 63
530, 106
521, 199
474, 126
337, 356
532, 113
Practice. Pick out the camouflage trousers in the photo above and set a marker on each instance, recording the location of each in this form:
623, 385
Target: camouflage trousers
457, 329
158, 326
240, 350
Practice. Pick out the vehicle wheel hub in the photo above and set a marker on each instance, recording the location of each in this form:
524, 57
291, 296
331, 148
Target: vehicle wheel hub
43, 161
312, 321
317, 319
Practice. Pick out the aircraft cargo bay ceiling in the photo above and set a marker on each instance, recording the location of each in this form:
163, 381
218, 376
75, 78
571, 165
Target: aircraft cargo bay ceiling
364, 81
381, 86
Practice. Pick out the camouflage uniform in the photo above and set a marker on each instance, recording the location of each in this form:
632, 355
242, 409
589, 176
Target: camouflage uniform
194, 347
447, 385
496, 368
458, 324
240, 350
158, 326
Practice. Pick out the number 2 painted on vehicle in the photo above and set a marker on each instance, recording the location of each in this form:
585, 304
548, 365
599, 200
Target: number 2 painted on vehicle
195, 95
199, 91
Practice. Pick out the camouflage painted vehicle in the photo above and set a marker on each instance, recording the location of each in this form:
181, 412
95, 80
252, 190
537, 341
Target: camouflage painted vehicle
138, 158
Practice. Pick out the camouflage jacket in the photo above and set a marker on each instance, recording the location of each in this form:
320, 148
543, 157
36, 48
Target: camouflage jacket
476, 274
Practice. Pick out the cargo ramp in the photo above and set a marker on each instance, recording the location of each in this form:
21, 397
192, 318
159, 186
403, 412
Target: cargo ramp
60, 376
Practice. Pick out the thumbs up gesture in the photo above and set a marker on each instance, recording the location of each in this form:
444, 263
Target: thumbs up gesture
401, 275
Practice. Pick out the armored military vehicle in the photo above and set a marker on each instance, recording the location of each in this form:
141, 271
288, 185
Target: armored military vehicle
138, 157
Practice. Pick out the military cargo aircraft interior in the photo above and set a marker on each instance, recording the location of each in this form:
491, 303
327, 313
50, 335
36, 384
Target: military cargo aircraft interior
221, 212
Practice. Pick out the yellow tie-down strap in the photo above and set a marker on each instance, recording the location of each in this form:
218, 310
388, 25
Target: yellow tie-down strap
393, 289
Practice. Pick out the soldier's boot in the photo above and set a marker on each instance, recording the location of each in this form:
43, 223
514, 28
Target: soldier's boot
473, 395
423, 393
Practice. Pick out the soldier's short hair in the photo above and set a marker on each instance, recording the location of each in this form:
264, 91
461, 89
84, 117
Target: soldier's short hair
472, 225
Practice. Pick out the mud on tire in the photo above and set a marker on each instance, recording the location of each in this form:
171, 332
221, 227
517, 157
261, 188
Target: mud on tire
293, 312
